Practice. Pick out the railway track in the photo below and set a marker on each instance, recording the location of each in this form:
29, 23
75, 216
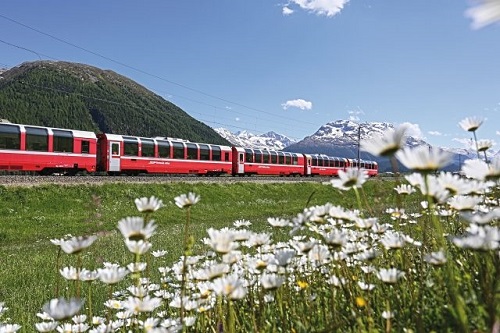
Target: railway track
36, 180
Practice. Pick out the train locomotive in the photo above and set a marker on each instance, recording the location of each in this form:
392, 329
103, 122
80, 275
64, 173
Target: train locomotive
46, 150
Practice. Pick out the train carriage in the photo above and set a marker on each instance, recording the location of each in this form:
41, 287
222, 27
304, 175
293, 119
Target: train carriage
247, 161
134, 155
46, 150
371, 167
323, 165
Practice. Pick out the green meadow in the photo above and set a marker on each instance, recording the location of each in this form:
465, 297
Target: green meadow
330, 294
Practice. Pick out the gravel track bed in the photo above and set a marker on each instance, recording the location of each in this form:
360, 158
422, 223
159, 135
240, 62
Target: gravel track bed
35, 180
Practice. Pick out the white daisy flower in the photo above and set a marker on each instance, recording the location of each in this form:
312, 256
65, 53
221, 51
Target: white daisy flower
464, 202
186, 200
69, 273
365, 286
350, 178
60, 308
133, 228
221, 241
88, 275
470, 124
452, 182
142, 304
278, 222
112, 275
159, 253
386, 144
424, 158
481, 170
404, 189
150, 204
46, 326
484, 145
393, 241
138, 247
9, 328
387, 314
211, 272
77, 244
435, 258
390, 275
231, 286
481, 218
284, 257
242, 223
271, 281
485, 238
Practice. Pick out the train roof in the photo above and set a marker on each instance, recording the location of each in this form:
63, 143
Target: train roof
76, 133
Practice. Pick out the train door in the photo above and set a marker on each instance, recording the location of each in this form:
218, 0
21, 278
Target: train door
114, 156
241, 162
238, 161
307, 161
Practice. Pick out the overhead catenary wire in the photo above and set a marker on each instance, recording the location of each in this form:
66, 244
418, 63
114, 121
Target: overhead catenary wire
150, 74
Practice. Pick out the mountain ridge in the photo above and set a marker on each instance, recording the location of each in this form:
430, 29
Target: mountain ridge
70, 95
341, 138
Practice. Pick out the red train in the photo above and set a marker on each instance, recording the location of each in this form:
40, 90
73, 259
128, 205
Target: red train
46, 150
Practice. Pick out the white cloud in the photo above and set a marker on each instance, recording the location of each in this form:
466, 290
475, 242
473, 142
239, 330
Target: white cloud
414, 130
354, 115
287, 11
498, 132
297, 103
487, 12
435, 133
466, 143
319, 7
237, 119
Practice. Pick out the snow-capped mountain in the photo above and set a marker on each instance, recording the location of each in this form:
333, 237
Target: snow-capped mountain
270, 140
349, 132
341, 138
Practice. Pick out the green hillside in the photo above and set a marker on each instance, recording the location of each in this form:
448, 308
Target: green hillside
77, 96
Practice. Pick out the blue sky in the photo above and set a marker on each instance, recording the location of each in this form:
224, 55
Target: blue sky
290, 67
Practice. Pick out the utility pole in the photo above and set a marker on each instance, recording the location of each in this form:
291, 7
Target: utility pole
359, 143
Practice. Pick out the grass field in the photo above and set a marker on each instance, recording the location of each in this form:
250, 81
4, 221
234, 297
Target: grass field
340, 292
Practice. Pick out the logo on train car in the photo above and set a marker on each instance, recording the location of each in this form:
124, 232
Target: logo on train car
159, 162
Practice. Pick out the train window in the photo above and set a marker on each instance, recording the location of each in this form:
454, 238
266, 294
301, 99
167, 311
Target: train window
37, 139
281, 158
147, 148
314, 161
115, 148
288, 159
204, 153
178, 150
258, 156
295, 159
192, 151
216, 153
85, 147
164, 149
274, 157
10, 137
63, 141
265, 156
249, 155
130, 146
